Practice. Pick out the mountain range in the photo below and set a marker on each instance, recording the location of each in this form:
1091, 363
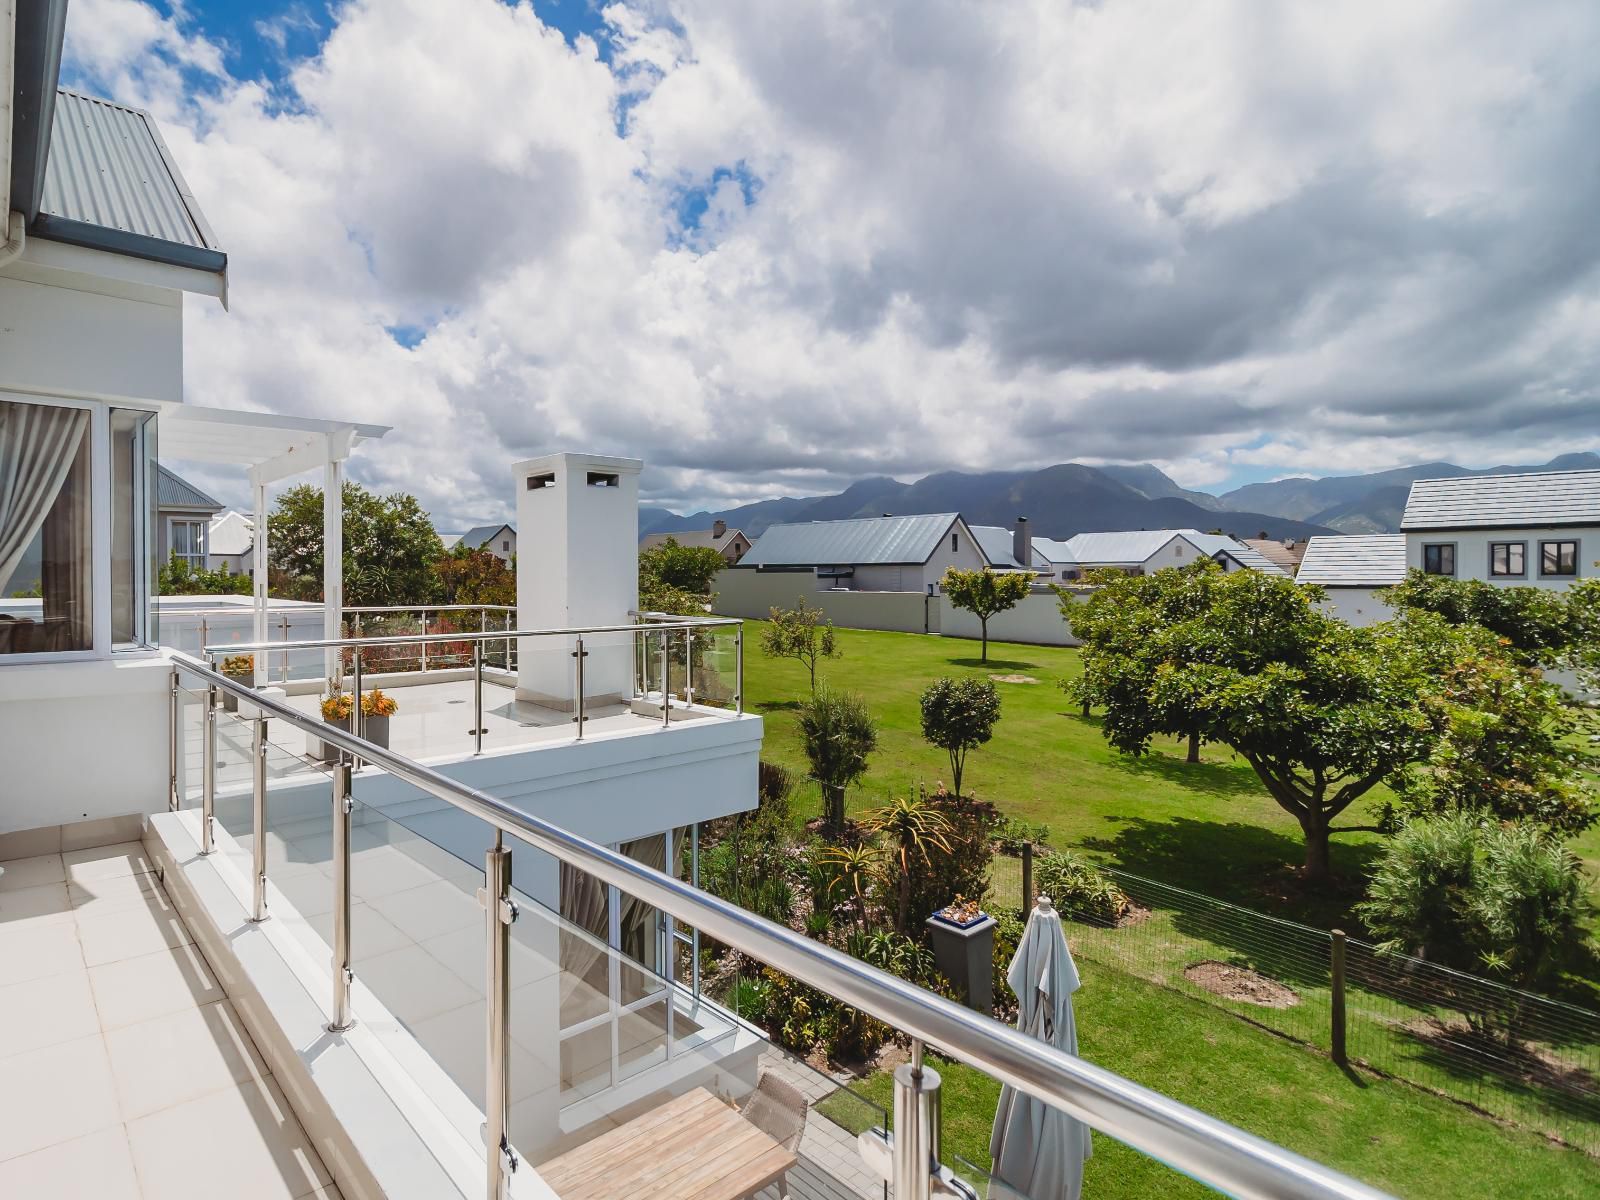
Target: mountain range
1074, 498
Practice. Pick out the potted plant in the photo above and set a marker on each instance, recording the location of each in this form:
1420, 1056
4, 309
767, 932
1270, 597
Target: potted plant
376, 709
962, 937
242, 669
336, 710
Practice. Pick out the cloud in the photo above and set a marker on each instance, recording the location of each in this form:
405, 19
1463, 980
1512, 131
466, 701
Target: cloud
770, 247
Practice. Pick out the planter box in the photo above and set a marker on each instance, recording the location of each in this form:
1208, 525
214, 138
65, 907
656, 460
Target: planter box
325, 751
964, 955
376, 730
230, 702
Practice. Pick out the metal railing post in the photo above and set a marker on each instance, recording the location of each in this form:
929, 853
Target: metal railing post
1336, 965
916, 1127
666, 689
208, 798
688, 666
694, 879
501, 910
508, 643
578, 656
342, 975
258, 823
477, 697
358, 724
175, 716
738, 670
205, 638
285, 620
424, 640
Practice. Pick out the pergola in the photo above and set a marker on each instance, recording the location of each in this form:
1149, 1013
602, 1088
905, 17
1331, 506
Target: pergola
273, 448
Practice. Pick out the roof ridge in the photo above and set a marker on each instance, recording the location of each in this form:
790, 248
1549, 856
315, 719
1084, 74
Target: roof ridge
109, 103
1485, 477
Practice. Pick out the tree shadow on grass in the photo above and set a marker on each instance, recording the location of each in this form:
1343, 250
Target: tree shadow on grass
995, 664
778, 705
1212, 778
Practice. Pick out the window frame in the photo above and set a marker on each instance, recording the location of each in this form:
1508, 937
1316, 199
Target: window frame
1508, 545
205, 549
1455, 564
1577, 556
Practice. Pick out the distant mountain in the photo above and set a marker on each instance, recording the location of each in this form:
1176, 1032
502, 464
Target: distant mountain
1368, 503
1059, 501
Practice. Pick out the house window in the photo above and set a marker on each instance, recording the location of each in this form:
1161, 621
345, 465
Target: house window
189, 543
1558, 558
505, 544
1508, 558
1439, 558
46, 529
954, 543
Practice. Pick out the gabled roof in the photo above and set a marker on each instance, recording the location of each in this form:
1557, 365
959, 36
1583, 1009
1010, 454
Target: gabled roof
859, 541
1052, 551
1220, 543
1286, 554
997, 545
1127, 548
1504, 501
231, 533
110, 184
692, 537
174, 491
1359, 560
481, 535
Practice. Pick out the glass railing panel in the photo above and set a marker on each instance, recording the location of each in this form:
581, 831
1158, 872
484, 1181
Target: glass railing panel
191, 741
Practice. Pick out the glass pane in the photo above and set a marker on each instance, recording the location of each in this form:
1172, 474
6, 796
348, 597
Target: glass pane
130, 525
45, 531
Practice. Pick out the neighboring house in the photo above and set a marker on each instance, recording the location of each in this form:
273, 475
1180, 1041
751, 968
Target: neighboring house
1139, 552
498, 540
183, 520
230, 542
1009, 549
1351, 569
1541, 529
870, 554
1286, 554
730, 543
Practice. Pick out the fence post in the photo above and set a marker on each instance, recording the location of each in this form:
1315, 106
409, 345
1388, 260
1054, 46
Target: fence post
1027, 878
1336, 950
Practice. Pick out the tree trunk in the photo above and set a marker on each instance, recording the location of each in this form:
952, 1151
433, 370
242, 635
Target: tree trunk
1194, 748
1085, 710
983, 624
1318, 868
832, 808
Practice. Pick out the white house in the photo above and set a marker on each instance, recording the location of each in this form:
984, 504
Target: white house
499, 540
1541, 529
1351, 570
869, 554
1141, 551
230, 542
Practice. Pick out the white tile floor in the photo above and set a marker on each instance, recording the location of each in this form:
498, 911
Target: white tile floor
127, 1073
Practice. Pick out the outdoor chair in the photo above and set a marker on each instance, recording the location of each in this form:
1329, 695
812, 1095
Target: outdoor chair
779, 1111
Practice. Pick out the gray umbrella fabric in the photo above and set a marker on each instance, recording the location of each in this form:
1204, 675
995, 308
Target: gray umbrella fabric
1039, 1151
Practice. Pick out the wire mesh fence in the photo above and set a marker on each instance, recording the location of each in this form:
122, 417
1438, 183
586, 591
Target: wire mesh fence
1512, 1054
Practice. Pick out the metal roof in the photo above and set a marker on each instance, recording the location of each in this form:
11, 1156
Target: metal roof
1356, 560
859, 541
478, 535
1052, 551
1504, 501
111, 184
997, 545
704, 538
174, 491
231, 533
1128, 548
1220, 543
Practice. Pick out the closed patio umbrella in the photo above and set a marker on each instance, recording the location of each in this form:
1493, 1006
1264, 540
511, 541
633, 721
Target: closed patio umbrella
1038, 1150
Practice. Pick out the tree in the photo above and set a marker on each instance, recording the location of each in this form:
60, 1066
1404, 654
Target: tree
467, 576
1322, 711
838, 733
958, 714
389, 547
1537, 624
915, 831
178, 577
801, 633
985, 593
1479, 896
677, 579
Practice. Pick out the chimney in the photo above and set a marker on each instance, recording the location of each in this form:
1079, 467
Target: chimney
718, 528
1022, 544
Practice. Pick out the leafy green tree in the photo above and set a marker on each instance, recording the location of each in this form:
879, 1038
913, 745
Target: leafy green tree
1537, 624
985, 593
801, 633
1503, 898
838, 734
467, 576
957, 715
677, 579
915, 831
389, 547
1322, 711
178, 577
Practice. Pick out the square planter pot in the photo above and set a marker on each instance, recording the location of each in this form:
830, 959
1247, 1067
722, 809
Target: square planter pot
230, 702
964, 955
376, 730
326, 751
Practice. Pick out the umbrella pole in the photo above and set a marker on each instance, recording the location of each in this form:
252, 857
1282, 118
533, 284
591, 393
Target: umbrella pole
916, 1127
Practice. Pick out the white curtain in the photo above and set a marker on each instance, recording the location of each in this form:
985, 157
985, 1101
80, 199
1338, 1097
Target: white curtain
38, 443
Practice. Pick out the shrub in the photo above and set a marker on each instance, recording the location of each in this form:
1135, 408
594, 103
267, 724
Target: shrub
774, 789
1079, 888
802, 1019
1011, 833
1479, 896
1008, 927
838, 733
748, 999
957, 715
961, 868
338, 706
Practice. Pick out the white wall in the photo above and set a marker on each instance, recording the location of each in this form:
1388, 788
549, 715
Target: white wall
754, 594
82, 741
1355, 605
1472, 552
1036, 619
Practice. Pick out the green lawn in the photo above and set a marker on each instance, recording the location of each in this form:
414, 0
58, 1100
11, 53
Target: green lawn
1210, 828
1394, 1137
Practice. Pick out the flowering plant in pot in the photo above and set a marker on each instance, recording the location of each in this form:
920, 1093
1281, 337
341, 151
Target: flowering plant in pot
376, 709
242, 668
336, 710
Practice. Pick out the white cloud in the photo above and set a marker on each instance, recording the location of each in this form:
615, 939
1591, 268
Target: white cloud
1208, 235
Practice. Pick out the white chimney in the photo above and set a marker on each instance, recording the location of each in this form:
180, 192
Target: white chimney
577, 567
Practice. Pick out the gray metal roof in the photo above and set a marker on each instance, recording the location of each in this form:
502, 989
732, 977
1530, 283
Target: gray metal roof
110, 183
1357, 560
1220, 543
997, 545
479, 535
1504, 501
174, 491
702, 538
1127, 548
859, 541
1052, 551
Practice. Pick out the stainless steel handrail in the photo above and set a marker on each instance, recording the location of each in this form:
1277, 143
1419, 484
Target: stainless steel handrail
493, 635
1208, 1150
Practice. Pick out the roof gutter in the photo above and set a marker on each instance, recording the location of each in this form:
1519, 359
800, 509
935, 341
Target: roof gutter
40, 28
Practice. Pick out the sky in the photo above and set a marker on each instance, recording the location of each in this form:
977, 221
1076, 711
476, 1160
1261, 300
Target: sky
774, 246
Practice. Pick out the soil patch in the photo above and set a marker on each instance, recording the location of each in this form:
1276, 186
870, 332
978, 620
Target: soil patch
1240, 983
1524, 1061
1013, 679
1134, 914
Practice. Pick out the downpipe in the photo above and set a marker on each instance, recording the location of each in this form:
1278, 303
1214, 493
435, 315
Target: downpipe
16, 240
